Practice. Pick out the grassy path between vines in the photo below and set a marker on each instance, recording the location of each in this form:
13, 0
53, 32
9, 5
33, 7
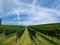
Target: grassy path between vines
25, 39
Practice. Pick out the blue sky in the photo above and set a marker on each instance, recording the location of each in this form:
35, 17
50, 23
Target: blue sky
29, 12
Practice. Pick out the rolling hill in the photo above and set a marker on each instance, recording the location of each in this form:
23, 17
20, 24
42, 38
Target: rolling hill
46, 34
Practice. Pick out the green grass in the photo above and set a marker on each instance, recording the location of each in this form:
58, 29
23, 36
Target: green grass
47, 34
10, 27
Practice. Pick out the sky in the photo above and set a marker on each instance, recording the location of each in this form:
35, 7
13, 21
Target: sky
29, 12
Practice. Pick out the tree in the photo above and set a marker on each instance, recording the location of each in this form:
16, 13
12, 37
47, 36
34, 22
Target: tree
0, 20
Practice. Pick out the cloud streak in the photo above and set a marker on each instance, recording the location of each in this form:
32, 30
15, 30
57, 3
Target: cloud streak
35, 14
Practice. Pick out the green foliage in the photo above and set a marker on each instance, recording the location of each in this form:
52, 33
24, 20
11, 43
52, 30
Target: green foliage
47, 34
10, 27
52, 26
0, 20
48, 29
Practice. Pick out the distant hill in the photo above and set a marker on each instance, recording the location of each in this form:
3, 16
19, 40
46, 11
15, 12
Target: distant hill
48, 26
46, 34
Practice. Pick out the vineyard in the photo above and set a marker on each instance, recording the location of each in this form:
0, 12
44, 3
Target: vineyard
47, 34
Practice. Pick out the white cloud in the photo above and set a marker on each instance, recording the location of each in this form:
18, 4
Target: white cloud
1, 6
34, 12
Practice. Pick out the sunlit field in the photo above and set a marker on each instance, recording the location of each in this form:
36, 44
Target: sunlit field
47, 34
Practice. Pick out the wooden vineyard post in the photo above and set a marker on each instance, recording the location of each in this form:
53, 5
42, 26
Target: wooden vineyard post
17, 35
4, 34
36, 38
58, 32
58, 36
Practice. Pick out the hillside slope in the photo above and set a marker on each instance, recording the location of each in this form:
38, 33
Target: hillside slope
47, 34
